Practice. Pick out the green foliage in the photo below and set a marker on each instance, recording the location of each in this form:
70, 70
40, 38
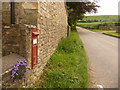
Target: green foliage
76, 10
20, 72
117, 24
67, 67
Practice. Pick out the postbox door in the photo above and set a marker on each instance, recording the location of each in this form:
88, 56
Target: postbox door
34, 47
34, 55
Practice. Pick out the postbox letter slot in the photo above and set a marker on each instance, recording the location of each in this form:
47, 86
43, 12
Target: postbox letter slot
36, 33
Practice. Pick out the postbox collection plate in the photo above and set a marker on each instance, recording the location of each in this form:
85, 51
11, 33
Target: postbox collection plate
34, 41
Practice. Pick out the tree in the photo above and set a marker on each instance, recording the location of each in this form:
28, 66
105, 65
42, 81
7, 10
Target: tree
76, 10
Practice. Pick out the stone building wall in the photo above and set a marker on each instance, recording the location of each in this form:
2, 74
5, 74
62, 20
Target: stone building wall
17, 38
0, 44
14, 36
6, 13
52, 25
50, 18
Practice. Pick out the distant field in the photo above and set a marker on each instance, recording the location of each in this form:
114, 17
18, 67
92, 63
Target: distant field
96, 25
89, 25
96, 22
109, 18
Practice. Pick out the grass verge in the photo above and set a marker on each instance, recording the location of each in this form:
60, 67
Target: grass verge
114, 34
67, 67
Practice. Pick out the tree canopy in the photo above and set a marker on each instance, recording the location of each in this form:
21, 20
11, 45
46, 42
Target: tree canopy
76, 10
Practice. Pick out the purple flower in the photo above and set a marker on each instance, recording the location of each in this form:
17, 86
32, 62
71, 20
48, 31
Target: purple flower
17, 64
12, 76
25, 73
16, 68
24, 61
13, 72
16, 72
24, 64
14, 80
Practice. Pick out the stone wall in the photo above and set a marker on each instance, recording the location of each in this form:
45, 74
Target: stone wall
50, 18
116, 28
108, 27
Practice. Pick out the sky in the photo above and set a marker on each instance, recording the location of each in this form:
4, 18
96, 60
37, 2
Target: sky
107, 7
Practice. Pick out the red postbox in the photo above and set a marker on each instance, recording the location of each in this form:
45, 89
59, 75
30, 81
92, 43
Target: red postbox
34, 47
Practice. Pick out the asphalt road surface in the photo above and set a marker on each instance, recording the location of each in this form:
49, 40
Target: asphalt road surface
102, 51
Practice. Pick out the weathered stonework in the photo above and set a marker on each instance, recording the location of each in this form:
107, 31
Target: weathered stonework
50, 18
0, 44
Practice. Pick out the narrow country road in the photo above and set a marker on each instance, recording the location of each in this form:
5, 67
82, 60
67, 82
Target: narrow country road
102, 52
